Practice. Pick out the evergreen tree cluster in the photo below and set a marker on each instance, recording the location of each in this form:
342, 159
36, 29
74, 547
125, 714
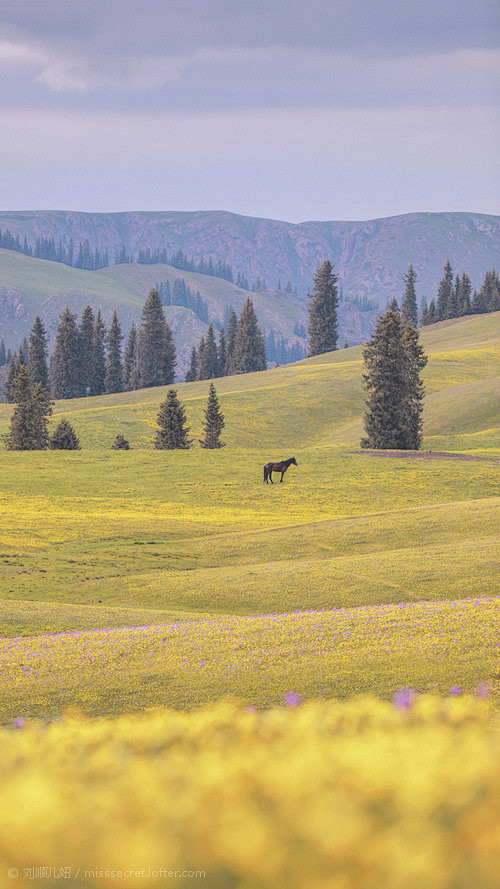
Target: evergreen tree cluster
88, 358
240, 349
456, 299
180, 294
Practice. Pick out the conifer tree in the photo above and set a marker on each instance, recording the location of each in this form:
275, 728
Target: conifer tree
66, 365
464, 295
87, 323
28, 430
157, 357
249, 347
98, 377
192, 373
232, 330
207, 359
445, 289
490, 292
113, 380
323, 318
214, 421
38, 354
409, 308
120, 444
393, 361
221, 354
172, 434
131, 361
3, 354
12, 375
64, 437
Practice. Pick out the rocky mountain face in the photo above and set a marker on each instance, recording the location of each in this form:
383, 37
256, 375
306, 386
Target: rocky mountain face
370, 258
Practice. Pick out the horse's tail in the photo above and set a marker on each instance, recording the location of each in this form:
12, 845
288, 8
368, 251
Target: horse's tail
265, 473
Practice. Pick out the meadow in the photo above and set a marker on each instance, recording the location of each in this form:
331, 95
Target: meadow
145, 580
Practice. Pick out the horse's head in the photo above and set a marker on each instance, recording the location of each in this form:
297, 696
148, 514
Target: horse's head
293, 460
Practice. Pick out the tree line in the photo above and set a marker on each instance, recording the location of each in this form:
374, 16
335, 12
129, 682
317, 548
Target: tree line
456, 299
87, 359
29, 429
240, 348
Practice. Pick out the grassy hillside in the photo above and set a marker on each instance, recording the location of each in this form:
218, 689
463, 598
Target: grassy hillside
99, 539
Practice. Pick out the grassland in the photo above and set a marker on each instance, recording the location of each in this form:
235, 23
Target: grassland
162, 614
103, 539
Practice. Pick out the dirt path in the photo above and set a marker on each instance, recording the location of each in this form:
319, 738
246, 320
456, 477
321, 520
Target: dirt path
425, 455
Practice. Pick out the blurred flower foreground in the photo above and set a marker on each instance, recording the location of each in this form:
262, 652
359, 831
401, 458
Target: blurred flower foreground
362, 794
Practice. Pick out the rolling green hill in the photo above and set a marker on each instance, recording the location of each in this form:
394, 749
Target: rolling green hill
99, 538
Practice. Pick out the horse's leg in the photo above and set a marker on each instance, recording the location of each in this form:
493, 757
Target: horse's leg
270, 476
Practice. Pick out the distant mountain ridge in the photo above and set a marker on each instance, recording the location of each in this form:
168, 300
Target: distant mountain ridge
370, 257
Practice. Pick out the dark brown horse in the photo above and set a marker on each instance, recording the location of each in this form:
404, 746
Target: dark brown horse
282, 467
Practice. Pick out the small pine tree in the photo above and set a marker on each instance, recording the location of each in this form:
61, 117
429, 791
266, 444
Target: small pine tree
28, 430
445, 290
64, 437
172, 434
214, 422
120, 444
323, 318
232, 330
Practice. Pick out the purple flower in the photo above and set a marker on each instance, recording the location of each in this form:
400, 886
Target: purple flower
404, 698
19, 722
292, 699
455, 690
483, 690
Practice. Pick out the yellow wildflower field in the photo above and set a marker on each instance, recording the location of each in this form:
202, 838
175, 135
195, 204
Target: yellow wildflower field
363, 794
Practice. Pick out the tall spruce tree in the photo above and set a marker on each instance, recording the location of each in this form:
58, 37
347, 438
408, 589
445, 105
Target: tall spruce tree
38, 354
232, 330
445, 291
393, 361
249, 346
12, 374
28, 430
87, 323
113, 380
65, 373
221, 354
214, 422
172, 433
157, 358
192, 373
98, 385
208, 366
464, 295
409, 308
131, 360
323, 318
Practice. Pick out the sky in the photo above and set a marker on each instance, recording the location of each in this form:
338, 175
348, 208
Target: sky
317, 110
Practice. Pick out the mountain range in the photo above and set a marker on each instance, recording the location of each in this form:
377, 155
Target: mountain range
369, 257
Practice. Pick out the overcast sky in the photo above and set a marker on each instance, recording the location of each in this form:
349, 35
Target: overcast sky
318, 109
